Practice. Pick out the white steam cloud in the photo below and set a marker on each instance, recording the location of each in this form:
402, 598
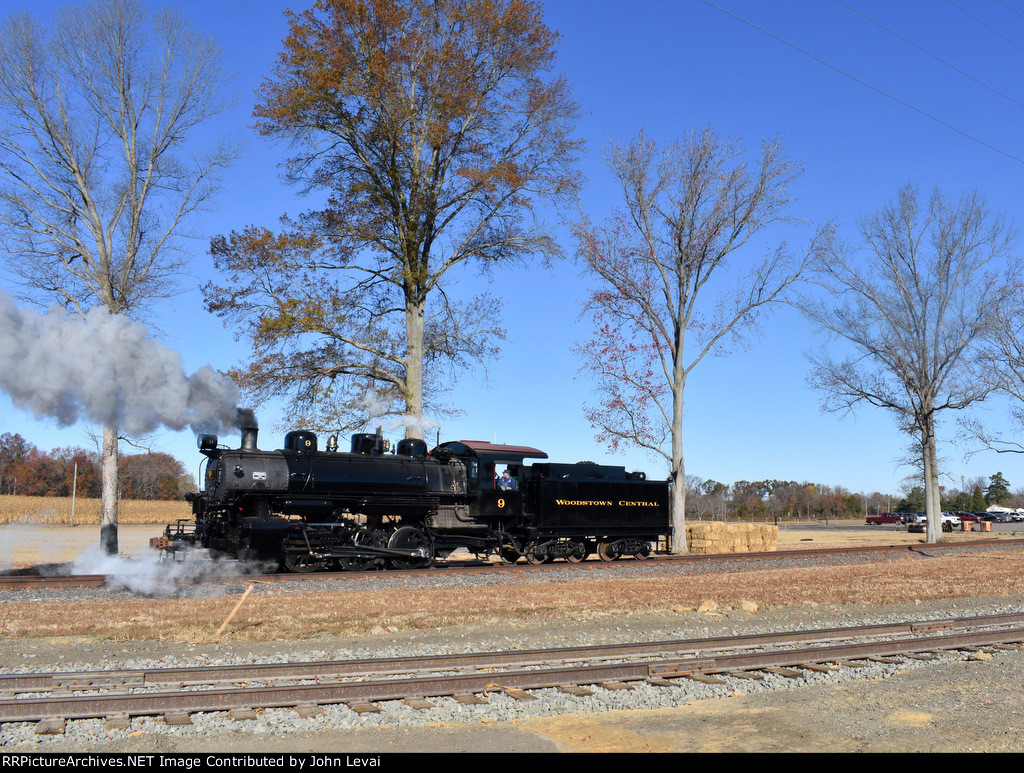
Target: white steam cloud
106, 369
156, 577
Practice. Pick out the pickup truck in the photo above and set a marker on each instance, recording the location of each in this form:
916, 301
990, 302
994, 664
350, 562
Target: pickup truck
884, 518
947, 523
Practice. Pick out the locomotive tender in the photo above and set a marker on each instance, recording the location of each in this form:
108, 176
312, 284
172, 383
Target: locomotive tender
309, 509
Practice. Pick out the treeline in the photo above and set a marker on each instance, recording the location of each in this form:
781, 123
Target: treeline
778, 499
26, 470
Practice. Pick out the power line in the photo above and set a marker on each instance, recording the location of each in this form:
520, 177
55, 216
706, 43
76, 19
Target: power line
929, 53
989, 27
877, 90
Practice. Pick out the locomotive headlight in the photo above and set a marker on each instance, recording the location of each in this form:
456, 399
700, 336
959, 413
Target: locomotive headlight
207, 442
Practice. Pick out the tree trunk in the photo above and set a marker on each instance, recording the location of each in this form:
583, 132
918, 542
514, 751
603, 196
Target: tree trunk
933, 528
678, 478
108, 522
414, 316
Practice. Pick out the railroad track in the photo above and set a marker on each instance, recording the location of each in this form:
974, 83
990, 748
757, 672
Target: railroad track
50, 699
31, 581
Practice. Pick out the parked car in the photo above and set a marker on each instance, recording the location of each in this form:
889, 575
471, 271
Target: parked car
884, 518
949, 522
976, 517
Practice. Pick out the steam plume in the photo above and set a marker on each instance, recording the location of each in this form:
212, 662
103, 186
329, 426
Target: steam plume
106, 369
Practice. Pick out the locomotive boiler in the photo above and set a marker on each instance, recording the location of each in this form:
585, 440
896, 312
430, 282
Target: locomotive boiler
375, 506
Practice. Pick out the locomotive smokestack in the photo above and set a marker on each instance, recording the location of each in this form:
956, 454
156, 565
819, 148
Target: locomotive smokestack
250, 430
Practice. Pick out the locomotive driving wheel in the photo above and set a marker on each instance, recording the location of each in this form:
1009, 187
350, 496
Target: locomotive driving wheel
509, 554
302, 562
410, 538
297, 556
375, 539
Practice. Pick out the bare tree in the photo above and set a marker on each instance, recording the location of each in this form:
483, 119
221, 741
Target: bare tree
95, 191
665, 264
915, 306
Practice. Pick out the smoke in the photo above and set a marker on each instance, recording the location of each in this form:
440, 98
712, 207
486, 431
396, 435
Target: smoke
106, 369
160, 578
375, 408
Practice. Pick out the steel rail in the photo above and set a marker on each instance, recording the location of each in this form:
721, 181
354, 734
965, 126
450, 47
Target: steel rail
269, 696
247, 672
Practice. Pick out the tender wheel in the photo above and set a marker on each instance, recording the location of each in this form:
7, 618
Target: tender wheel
579, 553
410, 538
643, 553
535, 555
606, 553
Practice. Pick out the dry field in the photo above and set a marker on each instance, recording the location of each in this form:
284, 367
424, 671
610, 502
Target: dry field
266, 615
57, 510
299, 616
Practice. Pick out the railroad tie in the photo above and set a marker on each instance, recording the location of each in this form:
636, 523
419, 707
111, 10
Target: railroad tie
118, 722
573, 689
53, 726
468, 699
418, 703
704, 678
616, 686
363, 707
177, 718
819, 668
789, 673
240, 715
519, 695
308, 710
746, 675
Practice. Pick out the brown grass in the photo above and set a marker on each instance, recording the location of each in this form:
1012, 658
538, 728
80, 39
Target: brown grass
291, 616
57, 510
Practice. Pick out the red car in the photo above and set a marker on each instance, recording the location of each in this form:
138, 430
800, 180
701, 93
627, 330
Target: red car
884, 518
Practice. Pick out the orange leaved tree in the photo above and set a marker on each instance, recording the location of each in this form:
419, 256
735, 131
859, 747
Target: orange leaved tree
434, 127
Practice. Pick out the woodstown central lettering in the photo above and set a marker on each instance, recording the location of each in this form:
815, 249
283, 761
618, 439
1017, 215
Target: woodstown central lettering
601, 503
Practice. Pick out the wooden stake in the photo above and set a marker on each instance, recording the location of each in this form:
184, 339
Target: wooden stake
225, 624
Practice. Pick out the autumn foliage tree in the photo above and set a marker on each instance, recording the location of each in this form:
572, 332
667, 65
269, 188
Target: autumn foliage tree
434, 127
29, 471
674, 282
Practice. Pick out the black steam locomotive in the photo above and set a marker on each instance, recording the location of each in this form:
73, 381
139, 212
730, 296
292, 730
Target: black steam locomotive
309, 509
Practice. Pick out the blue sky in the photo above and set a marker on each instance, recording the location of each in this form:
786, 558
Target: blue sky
861, 109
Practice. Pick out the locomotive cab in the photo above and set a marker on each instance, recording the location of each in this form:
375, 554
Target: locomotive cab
481, 460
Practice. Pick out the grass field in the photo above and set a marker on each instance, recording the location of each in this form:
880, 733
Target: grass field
57, 510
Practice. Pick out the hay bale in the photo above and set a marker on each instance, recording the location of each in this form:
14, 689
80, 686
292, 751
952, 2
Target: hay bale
719, 537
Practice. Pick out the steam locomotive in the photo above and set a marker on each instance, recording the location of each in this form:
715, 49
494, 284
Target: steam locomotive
308, 509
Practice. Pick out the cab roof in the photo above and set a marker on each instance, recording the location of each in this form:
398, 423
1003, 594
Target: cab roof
493, 451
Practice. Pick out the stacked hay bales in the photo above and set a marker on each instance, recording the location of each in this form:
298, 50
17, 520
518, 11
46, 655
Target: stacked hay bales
718, 537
